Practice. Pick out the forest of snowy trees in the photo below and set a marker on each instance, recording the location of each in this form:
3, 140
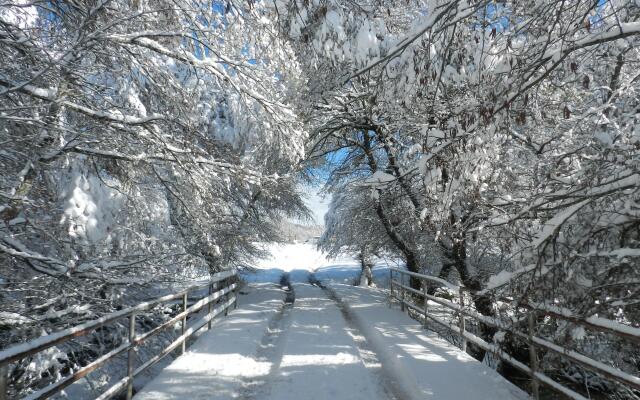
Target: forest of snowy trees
493, 143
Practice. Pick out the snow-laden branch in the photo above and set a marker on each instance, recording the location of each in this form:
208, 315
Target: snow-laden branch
15, 248
552, 226
432, 20
614, 32
213, 66
51, 95
158, 157
571, 197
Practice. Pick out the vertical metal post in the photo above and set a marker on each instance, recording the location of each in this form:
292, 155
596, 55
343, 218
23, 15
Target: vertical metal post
390, 286
533, 357
426, 301
4, 382
226, 298
236, 292
131, 353
463, 344
183, 348
209, 305
401, 292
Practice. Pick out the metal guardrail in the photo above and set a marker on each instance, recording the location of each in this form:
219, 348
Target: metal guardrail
223, 284
534, 342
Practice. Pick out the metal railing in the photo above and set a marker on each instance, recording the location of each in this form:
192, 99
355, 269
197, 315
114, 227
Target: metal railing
222, 288
398, 289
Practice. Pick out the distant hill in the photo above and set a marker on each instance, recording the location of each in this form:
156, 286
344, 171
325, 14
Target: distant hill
292, 231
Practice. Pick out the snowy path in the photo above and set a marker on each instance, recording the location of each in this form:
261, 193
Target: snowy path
337, 343
320, 356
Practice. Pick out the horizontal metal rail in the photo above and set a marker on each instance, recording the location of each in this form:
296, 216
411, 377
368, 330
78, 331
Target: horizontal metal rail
225, 281
118, 386
533, 341
441, 282
599, 324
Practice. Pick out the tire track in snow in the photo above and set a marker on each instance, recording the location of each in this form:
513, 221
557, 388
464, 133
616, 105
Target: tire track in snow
385, 377
271, 348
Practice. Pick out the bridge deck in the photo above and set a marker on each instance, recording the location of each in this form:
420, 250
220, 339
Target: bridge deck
321, 347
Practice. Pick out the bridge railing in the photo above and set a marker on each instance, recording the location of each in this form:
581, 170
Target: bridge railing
221, 288
400, 290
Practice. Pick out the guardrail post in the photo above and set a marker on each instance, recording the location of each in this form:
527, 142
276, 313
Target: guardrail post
209, 305
131, 353
533, 357
390, 286
226, 297
463, 344
4, 382
236, 292
402, 292
183, 348
426, 301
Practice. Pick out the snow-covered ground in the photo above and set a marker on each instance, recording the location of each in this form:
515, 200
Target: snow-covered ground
300, 260
218, 364
318, 358
332, 342
425, 365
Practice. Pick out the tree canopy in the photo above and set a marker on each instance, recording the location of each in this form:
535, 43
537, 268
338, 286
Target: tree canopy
492, 142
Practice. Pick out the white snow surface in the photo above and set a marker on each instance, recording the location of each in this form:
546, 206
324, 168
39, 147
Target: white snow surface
305, 256
300, 260
319, 359
218, 363
425, 366
340, 343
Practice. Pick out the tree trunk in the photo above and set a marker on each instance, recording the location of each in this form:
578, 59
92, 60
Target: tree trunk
483, 303
366, 278
410, 256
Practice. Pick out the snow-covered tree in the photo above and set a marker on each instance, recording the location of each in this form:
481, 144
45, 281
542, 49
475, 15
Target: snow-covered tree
494, 143
351, 228
140, 142
503, 132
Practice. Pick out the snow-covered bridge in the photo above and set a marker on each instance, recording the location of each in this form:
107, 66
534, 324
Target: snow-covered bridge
338, 343
301, 330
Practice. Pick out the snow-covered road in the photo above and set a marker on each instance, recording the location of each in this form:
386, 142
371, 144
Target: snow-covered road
319, 357
336, 343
